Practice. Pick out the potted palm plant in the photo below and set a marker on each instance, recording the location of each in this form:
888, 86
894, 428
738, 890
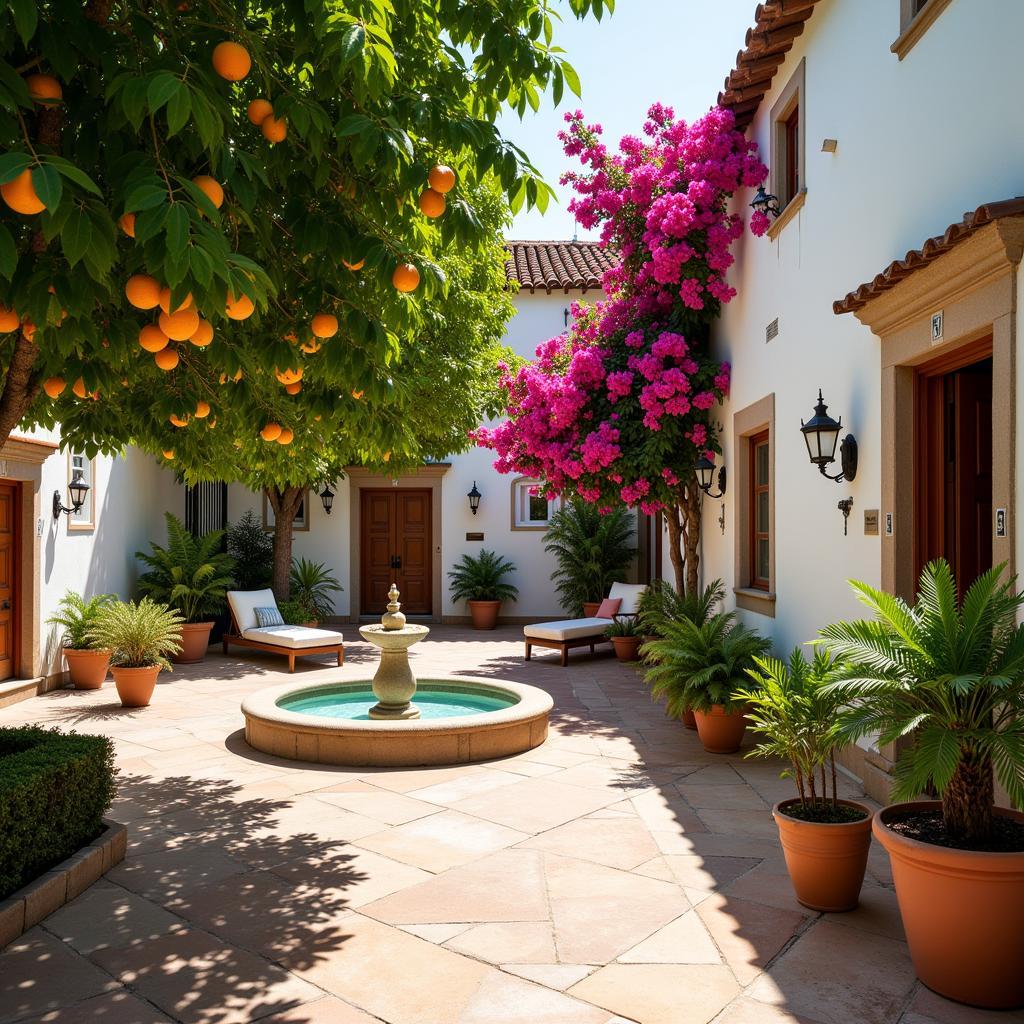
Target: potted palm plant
140, 636
312, 586
192, 574
945, 679
591, 552
480, 582
624, 633
87, 665
825, 839
699, 666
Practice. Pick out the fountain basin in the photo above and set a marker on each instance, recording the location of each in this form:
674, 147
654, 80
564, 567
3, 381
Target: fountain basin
463, 720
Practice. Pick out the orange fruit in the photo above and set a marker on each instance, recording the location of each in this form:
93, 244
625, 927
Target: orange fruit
271, 432
291, 338
288, 376
167, 359
44, 89
179, 421
152, 339
311, 347
203, 334
53, 386
126, 222
211, 188
357, 395
324, 325
142, 291
345, 188
28, 330
231, 61
20, 194
432, 203
285, 437
441, 178
258, 111
353, 266
202, 409
275, 129
9, 320
79, 388
179, 326
240, 308
406, 277
387, 456
294, 388
165, 301
168, 454
238, 374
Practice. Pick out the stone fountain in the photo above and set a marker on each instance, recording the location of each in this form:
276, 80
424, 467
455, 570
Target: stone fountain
394, 685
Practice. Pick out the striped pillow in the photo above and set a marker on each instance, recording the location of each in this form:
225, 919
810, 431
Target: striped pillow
268, 617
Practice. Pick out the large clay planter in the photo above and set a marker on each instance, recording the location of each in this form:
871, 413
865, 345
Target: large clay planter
826, 861
195, 638
963, 913
627, 648
689, 719
135, 686
86, 669
484, 613
590, 609
719, 730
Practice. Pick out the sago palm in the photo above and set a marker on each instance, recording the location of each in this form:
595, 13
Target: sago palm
661, 604
313, 586
138, 634
482, 578
948, 676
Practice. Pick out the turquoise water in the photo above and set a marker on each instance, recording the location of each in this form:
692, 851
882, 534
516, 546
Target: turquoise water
355, 705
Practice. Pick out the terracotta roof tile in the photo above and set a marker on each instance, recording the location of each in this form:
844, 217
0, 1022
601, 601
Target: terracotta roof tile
559, 265
932, 249
776, 24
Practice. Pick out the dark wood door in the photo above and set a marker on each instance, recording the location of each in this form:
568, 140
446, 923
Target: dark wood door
8, 578
396, 537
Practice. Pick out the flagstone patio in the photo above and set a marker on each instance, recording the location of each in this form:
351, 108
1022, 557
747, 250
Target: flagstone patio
615, 874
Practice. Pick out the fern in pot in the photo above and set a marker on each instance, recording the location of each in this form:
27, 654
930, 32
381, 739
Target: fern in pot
480, 581
624, 633
799, 720
87, 665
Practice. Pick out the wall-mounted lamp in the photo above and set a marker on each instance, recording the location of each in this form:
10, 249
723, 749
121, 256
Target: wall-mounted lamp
845, 506
765, 202
705, 470
327, 497
474, 499
565, 316
821, 433
78, 489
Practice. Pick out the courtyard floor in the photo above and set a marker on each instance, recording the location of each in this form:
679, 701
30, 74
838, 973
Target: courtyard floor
615, 874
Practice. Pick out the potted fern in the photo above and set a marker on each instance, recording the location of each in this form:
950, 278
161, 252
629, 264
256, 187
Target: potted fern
192, 575
87, 665
480, 582
624, 633
312, 587
140, 636
944, 678
700, 666
799, 719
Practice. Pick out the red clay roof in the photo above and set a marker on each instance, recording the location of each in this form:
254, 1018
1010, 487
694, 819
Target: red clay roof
931, 250
776, 24
559, 265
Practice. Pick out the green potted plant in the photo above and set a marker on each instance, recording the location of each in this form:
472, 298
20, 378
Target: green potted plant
591, 552
87, 665
312, 586
798, 718
480, 582
140, 636
944, 678
252, 548
624, 633
192, 575
699, 666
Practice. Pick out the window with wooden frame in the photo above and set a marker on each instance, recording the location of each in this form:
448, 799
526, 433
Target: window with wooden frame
787, 178
754, 506
81, 465
759, 513
530, 510
916, 17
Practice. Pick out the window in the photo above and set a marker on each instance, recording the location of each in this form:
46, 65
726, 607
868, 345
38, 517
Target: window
759, 512
787, 178
792, 130
301, 522
754, 508
916, 17
529, 511
85, 517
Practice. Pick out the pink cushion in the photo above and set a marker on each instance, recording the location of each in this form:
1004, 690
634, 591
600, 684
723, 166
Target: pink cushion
609, 608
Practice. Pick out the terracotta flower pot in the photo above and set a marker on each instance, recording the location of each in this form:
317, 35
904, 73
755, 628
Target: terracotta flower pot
963, 912
826, 861
484, 613
590, 609
195, 638
689, 719
135, 686
86, 669
627, 648
719, 730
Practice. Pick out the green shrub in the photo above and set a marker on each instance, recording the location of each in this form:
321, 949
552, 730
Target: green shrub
294, 613
54, 790
252, 548
313, 586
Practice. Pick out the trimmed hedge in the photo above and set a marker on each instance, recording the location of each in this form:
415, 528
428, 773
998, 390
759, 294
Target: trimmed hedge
54, 790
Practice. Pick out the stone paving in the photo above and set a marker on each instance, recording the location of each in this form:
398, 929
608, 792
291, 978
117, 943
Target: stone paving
616, 874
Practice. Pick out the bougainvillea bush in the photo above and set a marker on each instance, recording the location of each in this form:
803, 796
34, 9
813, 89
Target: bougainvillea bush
619, 409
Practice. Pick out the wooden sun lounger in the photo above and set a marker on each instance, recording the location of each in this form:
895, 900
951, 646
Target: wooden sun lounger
235, 637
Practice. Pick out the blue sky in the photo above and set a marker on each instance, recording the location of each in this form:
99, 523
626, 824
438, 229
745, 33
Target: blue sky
675, 51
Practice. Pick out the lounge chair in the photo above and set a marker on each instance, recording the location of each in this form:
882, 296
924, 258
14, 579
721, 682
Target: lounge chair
564, 634
291, 641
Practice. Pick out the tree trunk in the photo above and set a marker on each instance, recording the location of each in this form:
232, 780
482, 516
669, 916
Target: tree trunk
969, 797
285, 502
19, 388
683, 521
675, 546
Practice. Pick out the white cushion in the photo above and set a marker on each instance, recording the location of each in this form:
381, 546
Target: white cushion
293, 636
244, 604
567, 629
629, 594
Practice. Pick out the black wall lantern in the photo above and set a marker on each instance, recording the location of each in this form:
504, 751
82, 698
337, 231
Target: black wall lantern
765, 202
474, 499
78, 489
821, 433
705, 470
327, 497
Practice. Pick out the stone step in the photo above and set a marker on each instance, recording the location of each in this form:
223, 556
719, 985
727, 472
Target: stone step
14, 690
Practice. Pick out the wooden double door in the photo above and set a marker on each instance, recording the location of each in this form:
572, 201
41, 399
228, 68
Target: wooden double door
396, 547
8, 579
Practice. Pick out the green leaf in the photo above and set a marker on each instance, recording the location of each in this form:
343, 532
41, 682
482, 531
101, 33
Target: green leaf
8, 254
178, 108
73, 174
177, 229
162, 86
26, 18
145, 197
76, 235
11, 165
352, 42
572, 79
15, 85
46, 181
